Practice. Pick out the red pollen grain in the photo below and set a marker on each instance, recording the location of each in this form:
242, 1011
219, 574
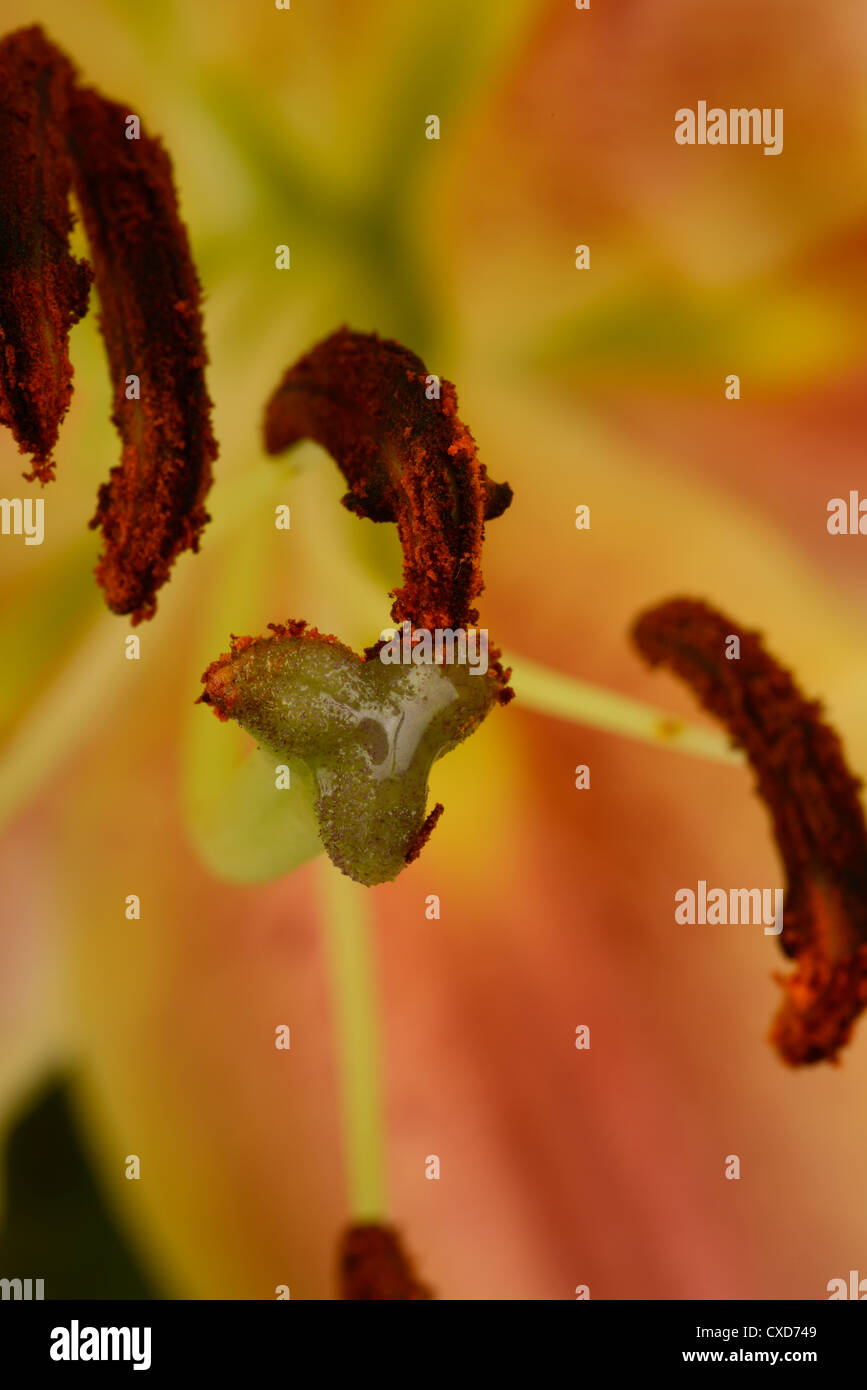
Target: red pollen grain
374, 1267
423, 834
152, 506
816, 813
43, 289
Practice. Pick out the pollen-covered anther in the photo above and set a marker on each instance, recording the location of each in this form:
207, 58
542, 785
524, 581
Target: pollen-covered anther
375, 1268
55, 136
407, 458
153, 505
43, 289
815, 808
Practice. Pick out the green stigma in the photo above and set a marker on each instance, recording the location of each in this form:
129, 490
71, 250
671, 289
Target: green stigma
365, 733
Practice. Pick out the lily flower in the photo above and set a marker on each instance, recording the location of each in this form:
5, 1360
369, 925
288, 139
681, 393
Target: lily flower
432, 1085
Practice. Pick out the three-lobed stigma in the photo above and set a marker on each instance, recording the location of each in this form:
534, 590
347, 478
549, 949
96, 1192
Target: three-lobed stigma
366, 734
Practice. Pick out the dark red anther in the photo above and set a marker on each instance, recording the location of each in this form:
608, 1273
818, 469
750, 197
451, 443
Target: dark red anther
43, 289
152, 506
373, 1266
394, 432
816, 813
